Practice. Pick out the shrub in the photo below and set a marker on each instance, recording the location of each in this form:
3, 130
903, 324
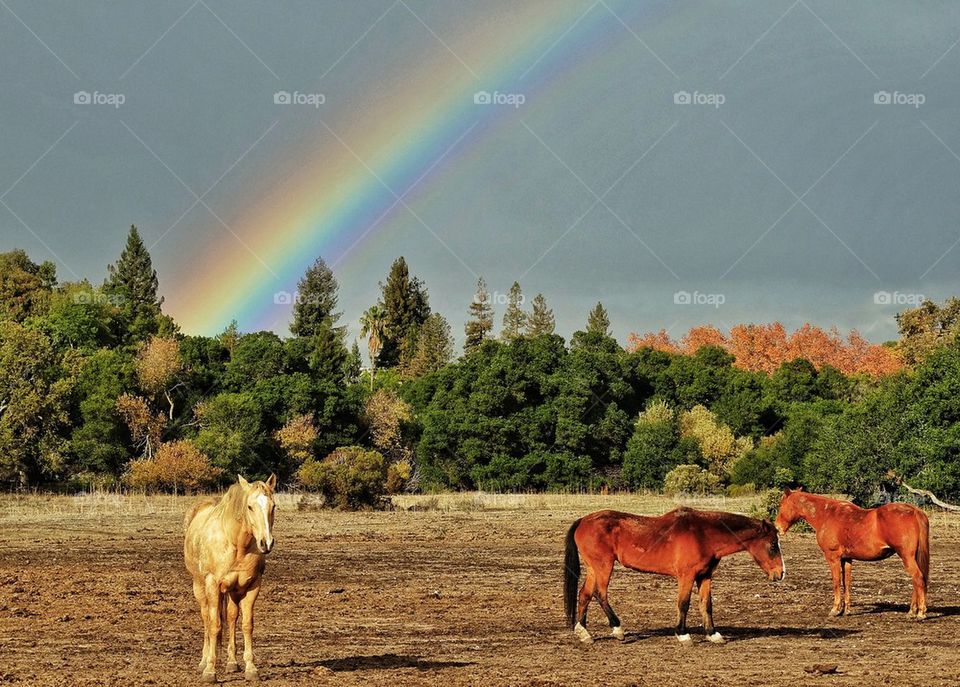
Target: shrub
351, 477
176, 466
398, 474
737, 490
690, 479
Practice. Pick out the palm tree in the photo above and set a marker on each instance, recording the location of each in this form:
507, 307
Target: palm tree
373, 325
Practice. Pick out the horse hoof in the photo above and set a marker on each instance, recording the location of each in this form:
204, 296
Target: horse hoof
209, 677
618, 633
251, 676
921, 616
716, 638
836, 612
231, 667
685, 640
581, 632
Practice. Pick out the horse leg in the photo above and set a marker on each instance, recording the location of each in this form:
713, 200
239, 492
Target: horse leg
603, 581
233, 610
836, 572
706, 611
847, 564
212, 589
201, 596
246, 609
918, 602
684, 589
586, 593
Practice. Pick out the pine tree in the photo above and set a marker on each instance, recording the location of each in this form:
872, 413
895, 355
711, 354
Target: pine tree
329, 357
598, 322
316, 300
514, 319
480, 324
406, 305
133, 281
541, 319
434, 347
354, 363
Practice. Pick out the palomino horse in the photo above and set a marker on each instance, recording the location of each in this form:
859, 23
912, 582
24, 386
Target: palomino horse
686, 544
226, 542
846, 532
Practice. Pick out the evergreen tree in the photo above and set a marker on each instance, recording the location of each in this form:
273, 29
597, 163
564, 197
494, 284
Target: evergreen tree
514, 319
598, 322
316, 300
434, 347
541, 319
329, 357
406, 307
480, 324
354, 363
133, 281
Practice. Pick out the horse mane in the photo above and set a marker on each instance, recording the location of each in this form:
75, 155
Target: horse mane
739, 525
233, 502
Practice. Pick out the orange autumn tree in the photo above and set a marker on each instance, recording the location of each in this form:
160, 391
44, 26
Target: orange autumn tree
765, 347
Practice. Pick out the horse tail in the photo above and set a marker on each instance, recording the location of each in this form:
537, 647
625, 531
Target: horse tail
923, 546
571, 575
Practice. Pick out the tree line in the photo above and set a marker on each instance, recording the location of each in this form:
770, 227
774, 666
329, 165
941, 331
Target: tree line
100, 388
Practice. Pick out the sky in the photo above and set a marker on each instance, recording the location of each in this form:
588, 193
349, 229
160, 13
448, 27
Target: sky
682, 162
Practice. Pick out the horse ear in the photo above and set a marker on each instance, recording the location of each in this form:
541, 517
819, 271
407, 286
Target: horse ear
272, 481
787, 491
799, 488
243, 483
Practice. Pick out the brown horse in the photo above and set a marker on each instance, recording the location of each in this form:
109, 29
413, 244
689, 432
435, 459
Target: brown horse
224, 548
686, 544
846, 532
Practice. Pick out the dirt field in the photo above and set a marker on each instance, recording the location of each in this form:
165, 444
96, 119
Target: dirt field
93, 592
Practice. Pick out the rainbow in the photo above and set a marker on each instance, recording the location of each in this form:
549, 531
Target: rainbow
328, 200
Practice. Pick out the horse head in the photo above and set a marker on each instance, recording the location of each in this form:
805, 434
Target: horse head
791, 509
258, 511
765, 549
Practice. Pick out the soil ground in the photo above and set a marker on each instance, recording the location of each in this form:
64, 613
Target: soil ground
463, 591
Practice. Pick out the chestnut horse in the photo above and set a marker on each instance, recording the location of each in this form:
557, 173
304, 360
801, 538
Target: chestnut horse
686, 544
846, 532
224, 548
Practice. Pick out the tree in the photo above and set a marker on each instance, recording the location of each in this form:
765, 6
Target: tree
133, 281
316, 300
177, 466
25, 286
373, 325
597, 321
385, 414
434, 347
232, 432
924, 328
146, 426
157, 364
541, 319
297, 437
354, 364
480, 324
33, 404
406, 306
514, 319
328, 358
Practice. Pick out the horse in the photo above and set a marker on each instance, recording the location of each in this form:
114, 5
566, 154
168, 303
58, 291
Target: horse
224, 549
846, 532
686, 544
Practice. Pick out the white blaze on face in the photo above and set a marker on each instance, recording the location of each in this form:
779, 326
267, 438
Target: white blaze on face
262, 502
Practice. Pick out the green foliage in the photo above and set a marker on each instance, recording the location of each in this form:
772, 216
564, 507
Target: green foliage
406, 307
25, 286
316, 303
132, 283
232, 432
351, 477
691, 479
514, 318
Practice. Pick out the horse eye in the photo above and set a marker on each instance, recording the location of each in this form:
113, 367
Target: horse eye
249, 507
